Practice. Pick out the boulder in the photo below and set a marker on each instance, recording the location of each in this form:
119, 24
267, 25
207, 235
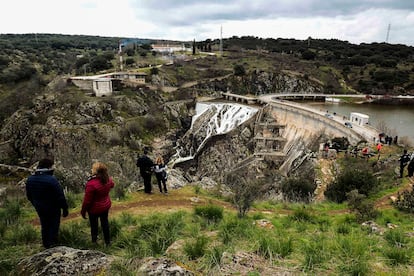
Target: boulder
64, 260
162, 267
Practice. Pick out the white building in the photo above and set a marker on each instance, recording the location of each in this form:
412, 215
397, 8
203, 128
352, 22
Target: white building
102, 87
359, 118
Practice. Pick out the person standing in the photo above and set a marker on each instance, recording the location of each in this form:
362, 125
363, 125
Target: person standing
46, 195
160, 170
404, 159
146, 165
410, 166
96, 201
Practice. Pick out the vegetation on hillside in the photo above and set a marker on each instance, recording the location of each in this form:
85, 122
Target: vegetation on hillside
305, 237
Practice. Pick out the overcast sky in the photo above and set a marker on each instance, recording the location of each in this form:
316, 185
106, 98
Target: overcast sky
356, 21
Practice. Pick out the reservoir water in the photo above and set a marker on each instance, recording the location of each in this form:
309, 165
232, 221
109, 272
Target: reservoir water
397, 118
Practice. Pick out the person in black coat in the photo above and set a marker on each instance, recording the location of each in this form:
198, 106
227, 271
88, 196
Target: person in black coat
146, 165
410, 166
46, 195
404, 159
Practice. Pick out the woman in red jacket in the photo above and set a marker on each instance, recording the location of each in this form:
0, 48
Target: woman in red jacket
97, 201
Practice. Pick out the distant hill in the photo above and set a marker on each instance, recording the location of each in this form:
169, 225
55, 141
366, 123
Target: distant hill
376, 68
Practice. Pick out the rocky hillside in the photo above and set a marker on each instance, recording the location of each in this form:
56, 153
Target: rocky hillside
54, 118
76, 129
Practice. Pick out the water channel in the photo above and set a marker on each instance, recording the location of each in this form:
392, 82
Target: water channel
399, 119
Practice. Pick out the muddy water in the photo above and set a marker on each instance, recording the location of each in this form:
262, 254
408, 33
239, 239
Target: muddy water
398, 119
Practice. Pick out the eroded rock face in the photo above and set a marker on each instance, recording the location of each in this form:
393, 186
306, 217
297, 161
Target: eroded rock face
64, 260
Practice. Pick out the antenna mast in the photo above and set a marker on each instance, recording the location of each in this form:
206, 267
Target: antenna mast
388, 33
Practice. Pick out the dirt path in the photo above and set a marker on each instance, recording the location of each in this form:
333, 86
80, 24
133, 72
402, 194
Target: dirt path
385, 201
143, 204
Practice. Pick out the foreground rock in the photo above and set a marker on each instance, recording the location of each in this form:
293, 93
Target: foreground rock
64, 260
162, 267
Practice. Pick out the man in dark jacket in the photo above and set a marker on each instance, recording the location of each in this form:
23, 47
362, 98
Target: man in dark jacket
146, 165
410, 166
404, 159
46, 195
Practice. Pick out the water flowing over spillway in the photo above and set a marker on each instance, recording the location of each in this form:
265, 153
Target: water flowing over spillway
211, 119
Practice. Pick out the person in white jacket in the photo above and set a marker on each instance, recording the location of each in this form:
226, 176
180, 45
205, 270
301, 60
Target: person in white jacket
160, 170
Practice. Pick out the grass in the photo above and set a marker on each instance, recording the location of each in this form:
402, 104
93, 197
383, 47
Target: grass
313, 239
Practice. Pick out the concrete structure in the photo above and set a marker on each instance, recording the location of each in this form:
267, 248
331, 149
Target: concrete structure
102, 87
359, 118
106, 84
137, 77
168, 48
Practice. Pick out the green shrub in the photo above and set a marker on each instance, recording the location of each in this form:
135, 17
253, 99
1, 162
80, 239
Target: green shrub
3, 227
315, 252
298, 189
364, 209
114, 228
73, 199
396, 238
234, 229
120, 268
12, 212
212, 213
196, 249
343, 228
213, 256
357, 267
197, 189
23, 234
397, 255
302, 215
355, 175
127, 219
155, 234
353, 253
75, 235
274, 247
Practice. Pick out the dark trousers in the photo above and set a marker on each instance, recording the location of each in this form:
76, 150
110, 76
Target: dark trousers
50, 221
161, 179
147, 182
410, 169
402, 170
93, 220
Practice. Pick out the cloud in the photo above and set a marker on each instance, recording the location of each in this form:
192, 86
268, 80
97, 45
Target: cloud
352, 20
187, 12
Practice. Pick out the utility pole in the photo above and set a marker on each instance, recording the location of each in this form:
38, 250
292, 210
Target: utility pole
121, 66
388, 33
221, 40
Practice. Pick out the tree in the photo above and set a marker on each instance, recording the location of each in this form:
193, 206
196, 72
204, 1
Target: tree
100, 63
129, 61
154, 71
239, 70
130, 52
308, 55
245, 190
194, 47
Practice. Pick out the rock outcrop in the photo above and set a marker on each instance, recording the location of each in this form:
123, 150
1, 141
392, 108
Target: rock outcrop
64, 261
